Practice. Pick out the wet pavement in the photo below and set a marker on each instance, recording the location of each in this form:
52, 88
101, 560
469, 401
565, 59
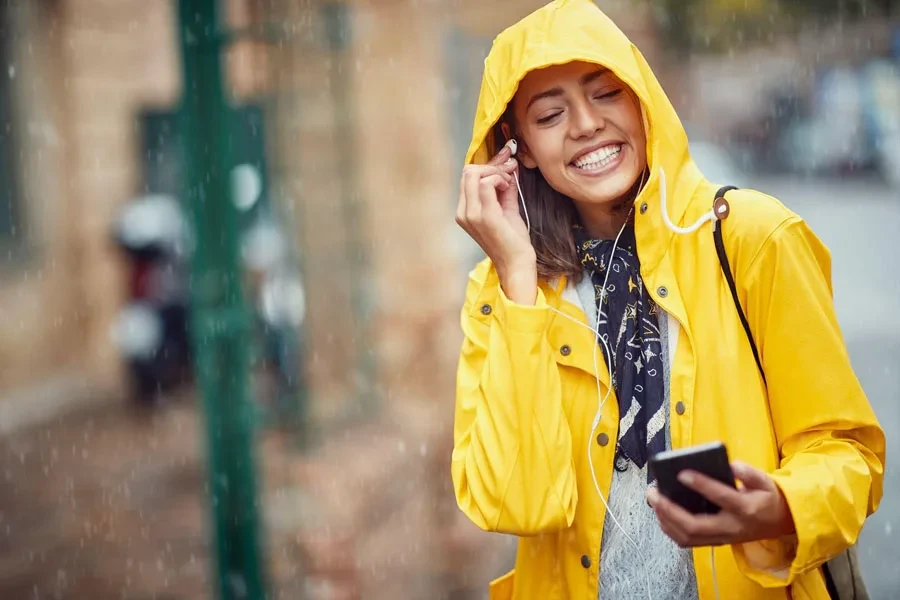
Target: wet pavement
104, 504
110, 503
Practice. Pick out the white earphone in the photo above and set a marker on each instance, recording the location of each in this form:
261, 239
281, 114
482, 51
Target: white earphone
601, 398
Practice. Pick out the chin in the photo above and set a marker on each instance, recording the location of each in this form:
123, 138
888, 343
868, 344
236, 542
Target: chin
610, 190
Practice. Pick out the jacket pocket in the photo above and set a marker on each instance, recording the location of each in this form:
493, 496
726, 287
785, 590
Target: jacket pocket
502, 588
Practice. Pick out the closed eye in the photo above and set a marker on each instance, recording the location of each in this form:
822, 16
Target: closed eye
608, 95
548, 118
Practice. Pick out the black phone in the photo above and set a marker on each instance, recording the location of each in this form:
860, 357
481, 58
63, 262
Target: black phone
709, 459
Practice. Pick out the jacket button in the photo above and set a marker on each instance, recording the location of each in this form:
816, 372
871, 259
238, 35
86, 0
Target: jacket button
565, 350
643, 208
585, 561
662, 291
679, 408
486, 309
603, 439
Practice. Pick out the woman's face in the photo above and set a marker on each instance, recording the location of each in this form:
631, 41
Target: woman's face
582, 128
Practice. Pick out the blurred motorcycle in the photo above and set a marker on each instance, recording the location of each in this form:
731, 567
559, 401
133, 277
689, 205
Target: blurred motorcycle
151, 329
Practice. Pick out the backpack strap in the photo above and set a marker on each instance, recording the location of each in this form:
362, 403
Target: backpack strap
721, 208
729, 277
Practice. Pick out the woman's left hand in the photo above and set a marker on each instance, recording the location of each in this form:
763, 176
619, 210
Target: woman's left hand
757, 510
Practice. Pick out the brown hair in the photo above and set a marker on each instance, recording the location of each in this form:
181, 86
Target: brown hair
552, 216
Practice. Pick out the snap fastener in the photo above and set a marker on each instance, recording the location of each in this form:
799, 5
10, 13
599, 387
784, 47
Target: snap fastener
603, 439
565, 350
662, 291
679, 408
486, 309
585, 561
643, 207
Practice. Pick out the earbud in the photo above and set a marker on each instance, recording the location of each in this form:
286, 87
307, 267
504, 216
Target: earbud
513, 146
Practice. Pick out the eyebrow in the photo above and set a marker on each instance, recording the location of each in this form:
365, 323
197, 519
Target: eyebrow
555, 92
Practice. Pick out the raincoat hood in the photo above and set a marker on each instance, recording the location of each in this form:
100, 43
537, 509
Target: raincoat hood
564, 31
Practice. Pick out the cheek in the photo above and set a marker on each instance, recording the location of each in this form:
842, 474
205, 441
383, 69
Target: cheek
636, 128
546, 151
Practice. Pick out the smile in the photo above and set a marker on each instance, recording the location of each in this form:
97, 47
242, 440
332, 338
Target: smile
598, 160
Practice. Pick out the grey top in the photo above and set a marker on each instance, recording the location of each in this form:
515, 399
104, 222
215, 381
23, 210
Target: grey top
626, 570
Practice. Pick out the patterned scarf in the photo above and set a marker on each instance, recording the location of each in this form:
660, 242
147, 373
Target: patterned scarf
628, 323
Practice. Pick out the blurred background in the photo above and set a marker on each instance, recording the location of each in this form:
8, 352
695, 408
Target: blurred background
230, 275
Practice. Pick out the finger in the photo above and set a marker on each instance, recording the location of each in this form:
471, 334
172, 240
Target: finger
752, 478
501, 157
717, 492
496, 182
665, 523
471, 182
461, 211
504, 154
698, 530
488, 193
486, 171
509, 166
483, 190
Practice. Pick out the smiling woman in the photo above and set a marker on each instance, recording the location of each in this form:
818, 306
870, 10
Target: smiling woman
593, 174
596, 224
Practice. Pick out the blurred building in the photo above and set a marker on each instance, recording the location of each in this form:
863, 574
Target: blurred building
367, 110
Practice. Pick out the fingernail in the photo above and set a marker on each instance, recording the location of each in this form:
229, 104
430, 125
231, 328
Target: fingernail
686, 478
509, 162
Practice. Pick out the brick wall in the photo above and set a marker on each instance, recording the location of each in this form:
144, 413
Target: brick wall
85, 68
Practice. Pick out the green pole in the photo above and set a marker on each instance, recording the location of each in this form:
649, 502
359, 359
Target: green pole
220, 324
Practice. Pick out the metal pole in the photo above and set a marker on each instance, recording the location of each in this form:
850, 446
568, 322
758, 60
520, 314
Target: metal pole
220, 324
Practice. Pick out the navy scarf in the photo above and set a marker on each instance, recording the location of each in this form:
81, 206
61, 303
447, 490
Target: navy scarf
629, 324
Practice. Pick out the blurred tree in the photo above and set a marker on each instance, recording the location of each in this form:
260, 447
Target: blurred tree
725, 25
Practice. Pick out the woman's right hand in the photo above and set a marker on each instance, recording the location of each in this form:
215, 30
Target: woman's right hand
488, 211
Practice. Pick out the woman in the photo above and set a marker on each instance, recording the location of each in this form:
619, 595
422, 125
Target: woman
607, 181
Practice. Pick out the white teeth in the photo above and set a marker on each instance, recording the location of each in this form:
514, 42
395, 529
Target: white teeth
599, 158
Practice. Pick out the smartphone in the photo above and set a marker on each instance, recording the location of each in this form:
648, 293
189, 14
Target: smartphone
709, 459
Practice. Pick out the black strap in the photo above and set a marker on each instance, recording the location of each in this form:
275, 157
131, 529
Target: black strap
726, 270
829, 583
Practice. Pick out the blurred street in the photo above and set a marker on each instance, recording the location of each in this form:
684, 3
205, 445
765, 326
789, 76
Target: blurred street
231, 280
111, 503
859, 220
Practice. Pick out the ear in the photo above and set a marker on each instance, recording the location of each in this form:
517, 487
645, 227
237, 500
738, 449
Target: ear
522, 154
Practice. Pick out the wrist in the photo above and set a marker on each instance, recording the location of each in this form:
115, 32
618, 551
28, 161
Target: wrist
519, 281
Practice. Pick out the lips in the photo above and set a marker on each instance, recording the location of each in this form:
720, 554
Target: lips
598, 157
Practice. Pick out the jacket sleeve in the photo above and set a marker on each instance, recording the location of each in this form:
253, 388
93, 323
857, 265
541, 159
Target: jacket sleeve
512, 457
832, 447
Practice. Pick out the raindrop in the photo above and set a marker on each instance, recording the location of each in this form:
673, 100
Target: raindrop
12, 71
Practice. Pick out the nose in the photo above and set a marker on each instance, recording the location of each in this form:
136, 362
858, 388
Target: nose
585, 120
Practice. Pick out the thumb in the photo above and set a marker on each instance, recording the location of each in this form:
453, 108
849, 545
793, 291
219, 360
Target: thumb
751, 477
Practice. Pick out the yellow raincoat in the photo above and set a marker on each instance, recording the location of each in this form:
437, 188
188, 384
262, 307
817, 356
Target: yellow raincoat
526, 388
